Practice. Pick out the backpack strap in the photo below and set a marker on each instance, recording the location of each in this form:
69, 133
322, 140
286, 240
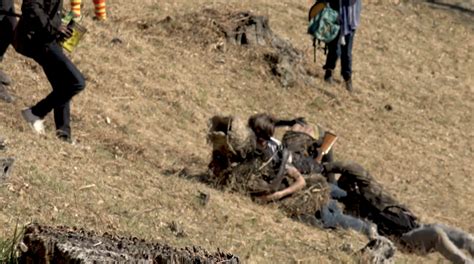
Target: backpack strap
314, 49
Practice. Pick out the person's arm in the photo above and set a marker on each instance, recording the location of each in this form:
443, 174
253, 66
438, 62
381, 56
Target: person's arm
289, 123
35, 16
297, 185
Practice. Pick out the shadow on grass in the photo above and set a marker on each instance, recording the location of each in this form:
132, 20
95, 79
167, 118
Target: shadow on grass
452, 6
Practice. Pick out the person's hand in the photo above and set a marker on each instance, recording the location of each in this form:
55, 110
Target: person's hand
263, 199
65, 32
260, 199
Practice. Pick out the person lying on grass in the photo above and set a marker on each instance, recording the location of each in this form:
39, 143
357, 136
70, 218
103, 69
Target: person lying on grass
367, 199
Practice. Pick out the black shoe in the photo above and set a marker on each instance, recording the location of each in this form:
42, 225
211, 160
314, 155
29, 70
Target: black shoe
4, 78
63, 136
349, 85
328, 76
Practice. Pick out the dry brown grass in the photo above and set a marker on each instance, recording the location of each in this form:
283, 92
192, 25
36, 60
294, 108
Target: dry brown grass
158, 90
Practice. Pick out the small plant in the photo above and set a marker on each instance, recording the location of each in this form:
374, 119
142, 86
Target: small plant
9, 247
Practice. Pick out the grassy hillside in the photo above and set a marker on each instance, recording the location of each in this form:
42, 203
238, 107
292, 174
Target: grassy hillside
143, 118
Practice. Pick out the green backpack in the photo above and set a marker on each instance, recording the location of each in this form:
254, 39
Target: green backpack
324, 26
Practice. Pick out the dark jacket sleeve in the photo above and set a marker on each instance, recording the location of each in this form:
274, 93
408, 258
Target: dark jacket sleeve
346, 168
335, 167
35, 16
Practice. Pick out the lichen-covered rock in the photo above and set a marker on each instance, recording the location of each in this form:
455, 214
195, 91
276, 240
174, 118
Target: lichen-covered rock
378, 251
43, 244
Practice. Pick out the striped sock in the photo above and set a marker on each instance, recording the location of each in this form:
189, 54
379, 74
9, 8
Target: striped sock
100, 12
76, 7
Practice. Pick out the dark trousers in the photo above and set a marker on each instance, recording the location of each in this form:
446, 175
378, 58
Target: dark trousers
66, 81
332, 215
336, 51
7, 25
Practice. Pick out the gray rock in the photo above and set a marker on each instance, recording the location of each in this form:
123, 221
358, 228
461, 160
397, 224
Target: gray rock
4, 95
4, 78
6, 165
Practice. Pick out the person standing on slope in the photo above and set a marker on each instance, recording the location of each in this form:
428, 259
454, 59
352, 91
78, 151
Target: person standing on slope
341, 47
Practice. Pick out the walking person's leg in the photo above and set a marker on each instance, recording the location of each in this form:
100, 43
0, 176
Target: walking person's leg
334, 52
346, 60
7, 27
66, 81
428, 238
100, 9
76, 8
62, 118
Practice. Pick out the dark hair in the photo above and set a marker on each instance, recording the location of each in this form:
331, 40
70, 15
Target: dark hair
263, 125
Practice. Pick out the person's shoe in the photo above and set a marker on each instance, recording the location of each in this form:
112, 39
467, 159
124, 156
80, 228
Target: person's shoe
349, 87
99, 19
4, 78
4, 95
63, 136
328, 77
35, 122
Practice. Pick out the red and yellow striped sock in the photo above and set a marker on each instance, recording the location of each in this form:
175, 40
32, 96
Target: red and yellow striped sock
76, 7
100, 12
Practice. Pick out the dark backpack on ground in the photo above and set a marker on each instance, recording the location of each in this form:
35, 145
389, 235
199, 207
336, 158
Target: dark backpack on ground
395, 220
367, 199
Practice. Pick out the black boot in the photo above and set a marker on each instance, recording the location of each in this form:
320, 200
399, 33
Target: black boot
328, 76
64, 136
349, 85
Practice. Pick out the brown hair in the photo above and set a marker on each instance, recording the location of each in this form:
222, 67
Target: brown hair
263, 125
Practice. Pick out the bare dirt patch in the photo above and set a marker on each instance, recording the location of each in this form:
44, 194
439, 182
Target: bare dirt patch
221, 31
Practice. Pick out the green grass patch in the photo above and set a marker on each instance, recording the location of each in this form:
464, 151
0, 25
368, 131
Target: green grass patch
9, 253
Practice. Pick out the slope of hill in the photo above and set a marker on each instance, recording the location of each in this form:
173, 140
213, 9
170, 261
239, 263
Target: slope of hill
151, 90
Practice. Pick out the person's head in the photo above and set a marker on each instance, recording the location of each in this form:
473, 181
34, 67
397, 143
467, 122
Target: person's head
263, 125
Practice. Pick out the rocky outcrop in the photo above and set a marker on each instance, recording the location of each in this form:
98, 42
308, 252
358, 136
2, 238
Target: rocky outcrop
42, 244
